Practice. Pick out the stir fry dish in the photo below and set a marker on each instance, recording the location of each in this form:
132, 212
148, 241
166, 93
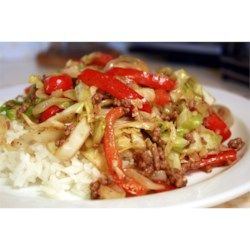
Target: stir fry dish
106, 128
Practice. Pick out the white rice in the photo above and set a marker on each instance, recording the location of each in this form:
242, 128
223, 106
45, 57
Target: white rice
41, 168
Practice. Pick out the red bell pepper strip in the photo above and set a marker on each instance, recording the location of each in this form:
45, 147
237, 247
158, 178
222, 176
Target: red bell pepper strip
112, 156
101, 60
214, 123
113, 86
51, 111
144, 78
52, 83
161, 97
221, 159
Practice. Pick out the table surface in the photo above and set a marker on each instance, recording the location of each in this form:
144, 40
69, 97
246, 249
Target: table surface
14, 72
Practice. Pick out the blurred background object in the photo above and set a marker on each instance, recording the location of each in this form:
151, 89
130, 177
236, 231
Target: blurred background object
60, 52
231, 58
228, 61
21, 50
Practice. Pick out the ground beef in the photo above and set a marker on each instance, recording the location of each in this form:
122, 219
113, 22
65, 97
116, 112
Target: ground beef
203, 141
69, 129
156, 136
165, 117
60, 142
147, 162
193, 166
159, 159
144, 161
236, 143
22, 109
97, 97
189, 137
172, 116
176, 177
94, 187
32, 97
10, 104
116, 102
96, 109
67, 132
126, 104
190, 166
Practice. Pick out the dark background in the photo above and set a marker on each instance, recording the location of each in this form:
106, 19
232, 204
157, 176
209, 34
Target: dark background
231, 58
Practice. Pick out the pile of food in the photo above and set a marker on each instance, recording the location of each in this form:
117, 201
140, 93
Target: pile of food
105, 127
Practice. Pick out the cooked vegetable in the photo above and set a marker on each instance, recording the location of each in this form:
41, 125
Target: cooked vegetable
214, 123
144, 78
140, 132
45, 136
74, 141
224, 113
53, 101
220, 159
97, 58
99, 131
146, 182
107, 192
95, 157
128, 62
114, 87
161, 97
114, 161
53, 83
51, 111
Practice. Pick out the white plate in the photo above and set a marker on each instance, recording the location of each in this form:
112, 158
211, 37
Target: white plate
203, 190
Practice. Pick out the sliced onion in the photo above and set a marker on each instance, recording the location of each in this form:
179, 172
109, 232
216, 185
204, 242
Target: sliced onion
159, 175
95, 157
45, 136
67, 114
87, 59
47, 124
72, 68
74, 141
106, 102
41, 94
57, 93
41, 107
128, 62
106, 192
146, 182
71, 94
135, 124
147, 93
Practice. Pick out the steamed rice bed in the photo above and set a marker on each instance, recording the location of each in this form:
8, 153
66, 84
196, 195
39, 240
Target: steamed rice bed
23, 169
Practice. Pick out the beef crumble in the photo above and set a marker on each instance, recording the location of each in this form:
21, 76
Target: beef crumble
22, 109
156, 136
149, 161
67, 132
94, 186
189, 137
236, 143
